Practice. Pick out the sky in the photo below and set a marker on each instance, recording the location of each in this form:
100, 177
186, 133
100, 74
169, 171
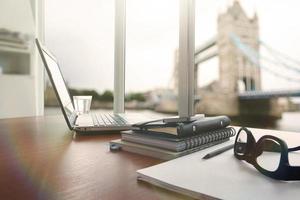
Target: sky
81, 35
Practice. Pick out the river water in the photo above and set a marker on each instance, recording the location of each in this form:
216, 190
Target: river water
290, 121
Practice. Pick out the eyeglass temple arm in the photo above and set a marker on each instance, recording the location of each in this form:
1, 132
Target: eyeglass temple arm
276, 148
294, 149
294, 173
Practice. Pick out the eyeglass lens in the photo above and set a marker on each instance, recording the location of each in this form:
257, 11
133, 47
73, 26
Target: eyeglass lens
269, 154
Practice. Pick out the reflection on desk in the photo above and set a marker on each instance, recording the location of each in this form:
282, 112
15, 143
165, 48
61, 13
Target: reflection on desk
41, 159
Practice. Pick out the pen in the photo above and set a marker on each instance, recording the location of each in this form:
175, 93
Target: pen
218, 151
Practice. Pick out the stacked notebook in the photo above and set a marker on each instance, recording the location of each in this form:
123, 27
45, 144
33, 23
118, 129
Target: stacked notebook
171, 140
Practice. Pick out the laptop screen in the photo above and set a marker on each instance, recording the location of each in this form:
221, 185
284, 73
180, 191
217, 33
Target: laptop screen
58, 84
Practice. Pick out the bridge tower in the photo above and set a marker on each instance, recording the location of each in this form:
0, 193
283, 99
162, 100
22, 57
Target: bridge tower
236, 72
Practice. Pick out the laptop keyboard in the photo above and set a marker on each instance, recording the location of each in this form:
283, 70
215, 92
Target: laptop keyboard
108, 120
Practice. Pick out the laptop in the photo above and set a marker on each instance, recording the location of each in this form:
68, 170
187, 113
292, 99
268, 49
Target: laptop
90, 122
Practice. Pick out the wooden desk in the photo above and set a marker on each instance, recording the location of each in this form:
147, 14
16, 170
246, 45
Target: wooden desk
41, 159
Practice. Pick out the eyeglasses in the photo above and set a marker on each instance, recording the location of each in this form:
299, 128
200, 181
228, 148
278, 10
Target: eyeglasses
269, 155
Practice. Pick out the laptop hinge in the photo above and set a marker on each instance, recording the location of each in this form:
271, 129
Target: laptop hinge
73, 119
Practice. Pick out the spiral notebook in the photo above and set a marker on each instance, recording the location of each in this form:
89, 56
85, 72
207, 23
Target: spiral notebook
173, 143
167, 147
155, 152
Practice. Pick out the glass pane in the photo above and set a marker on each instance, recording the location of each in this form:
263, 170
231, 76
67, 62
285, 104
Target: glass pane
151, 54
248, 66
81, 36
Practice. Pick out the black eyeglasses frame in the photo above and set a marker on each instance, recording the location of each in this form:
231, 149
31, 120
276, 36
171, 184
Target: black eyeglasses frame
253, 149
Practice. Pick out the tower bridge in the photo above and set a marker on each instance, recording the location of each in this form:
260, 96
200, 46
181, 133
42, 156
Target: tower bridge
238, 90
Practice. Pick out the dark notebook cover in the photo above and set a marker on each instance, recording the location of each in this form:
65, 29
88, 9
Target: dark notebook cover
185, 129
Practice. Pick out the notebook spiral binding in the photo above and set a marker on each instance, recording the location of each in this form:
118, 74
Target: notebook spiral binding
209, 137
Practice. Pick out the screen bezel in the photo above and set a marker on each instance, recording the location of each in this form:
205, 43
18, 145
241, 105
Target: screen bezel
70, 120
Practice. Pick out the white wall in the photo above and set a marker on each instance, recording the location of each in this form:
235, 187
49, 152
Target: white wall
19, 95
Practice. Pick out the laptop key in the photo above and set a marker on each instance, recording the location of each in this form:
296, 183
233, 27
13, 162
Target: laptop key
100, 121
120, 120
112, 121
95, 121
105, 120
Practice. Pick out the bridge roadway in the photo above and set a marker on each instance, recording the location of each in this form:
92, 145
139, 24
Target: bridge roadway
269, 94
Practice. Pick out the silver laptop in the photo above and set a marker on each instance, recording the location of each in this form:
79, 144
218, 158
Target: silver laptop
84, 122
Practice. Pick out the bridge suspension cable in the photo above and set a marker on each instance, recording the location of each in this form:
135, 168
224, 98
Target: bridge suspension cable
254, 57
280, 54
278, 59
279, 63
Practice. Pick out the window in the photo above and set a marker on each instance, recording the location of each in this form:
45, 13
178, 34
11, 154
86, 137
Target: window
81, 36
152, 38
245, 61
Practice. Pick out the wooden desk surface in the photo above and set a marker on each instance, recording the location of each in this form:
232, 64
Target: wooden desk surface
41, 159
